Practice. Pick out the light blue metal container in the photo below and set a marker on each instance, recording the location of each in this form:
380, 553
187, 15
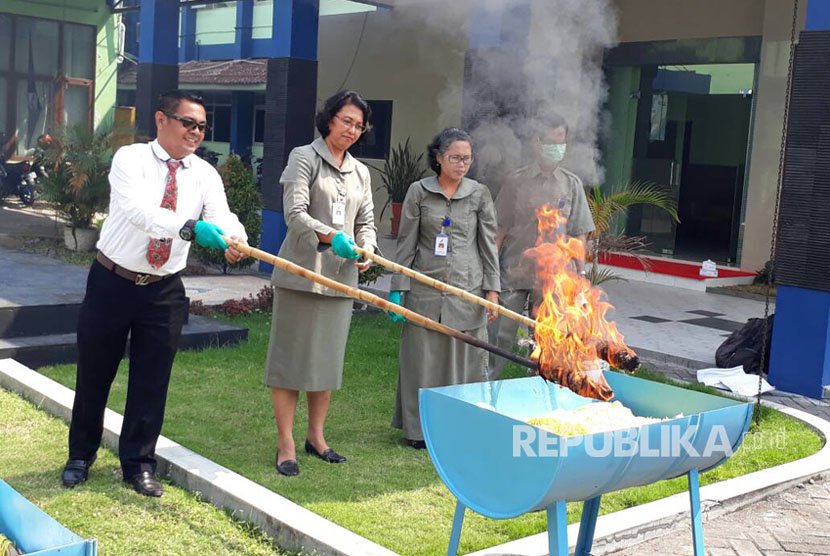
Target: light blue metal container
34, 532
487, 458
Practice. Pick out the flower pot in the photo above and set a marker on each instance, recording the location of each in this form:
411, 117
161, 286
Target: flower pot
396, 218
83, 239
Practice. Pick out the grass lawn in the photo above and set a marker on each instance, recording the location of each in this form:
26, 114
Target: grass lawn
387, 491
32, 454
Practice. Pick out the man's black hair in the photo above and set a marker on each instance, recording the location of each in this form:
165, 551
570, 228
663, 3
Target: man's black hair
168, 101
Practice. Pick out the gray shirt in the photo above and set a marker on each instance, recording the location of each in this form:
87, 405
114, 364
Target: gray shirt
471, 262
516, 206
312, 182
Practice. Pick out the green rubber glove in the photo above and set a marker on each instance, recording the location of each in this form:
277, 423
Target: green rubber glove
343, 246
396, 298
209, 235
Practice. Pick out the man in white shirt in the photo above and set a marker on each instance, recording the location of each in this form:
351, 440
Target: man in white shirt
159, 192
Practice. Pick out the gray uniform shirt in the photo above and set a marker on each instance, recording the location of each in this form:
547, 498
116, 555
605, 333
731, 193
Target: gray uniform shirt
471, 262
516, 206
312, 183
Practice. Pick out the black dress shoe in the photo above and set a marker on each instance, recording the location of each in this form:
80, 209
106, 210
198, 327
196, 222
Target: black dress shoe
417, 444
328, 455
145, 483
76, 471
289, 467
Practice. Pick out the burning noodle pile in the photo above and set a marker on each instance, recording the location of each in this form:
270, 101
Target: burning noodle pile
591, 418
571, 327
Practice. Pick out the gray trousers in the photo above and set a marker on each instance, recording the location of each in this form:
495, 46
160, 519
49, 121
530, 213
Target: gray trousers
502, 331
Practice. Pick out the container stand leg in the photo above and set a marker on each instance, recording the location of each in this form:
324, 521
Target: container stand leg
455, 536
590, 511
558, 529
697, 517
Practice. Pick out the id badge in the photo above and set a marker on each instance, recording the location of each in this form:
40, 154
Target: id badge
442, 243
338, 214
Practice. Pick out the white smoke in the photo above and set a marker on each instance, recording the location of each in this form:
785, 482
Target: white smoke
559, 69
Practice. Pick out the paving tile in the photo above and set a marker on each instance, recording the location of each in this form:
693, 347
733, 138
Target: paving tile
705, 313
808, 548
745, 548
764, 541
649, 318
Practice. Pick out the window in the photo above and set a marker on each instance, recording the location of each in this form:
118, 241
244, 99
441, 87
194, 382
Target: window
259, 125
218, 112
47, 72
79, 51
375, 144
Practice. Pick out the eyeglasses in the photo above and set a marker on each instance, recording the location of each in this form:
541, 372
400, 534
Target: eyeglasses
351, 124
189, 123
459, 159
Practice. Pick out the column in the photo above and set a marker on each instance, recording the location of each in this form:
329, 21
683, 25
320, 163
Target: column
290, 105
158, 69
800, 357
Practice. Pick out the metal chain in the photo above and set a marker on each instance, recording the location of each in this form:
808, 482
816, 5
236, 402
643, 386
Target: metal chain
776, 209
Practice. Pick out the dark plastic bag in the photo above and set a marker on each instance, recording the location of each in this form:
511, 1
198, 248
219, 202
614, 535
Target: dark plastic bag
743, 347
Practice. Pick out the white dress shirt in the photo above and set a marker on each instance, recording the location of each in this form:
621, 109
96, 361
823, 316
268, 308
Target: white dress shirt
138, 177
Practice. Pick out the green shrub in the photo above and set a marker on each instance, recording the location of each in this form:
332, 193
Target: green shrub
244, 201
767, 274
78, 164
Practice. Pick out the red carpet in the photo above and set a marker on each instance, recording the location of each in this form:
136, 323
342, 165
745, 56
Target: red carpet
663, 266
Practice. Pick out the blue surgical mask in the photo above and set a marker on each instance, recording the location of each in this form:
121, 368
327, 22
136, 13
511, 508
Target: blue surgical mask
552, 153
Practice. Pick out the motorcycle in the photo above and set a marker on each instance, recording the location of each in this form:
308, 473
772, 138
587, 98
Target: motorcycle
18, 178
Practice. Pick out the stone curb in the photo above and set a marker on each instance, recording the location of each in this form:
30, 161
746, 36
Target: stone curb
626, 528
293, 527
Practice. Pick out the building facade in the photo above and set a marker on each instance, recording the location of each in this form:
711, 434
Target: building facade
58, 63
692, 95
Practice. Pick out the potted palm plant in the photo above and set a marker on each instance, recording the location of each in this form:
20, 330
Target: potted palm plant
607, 209
77, 182
400, 170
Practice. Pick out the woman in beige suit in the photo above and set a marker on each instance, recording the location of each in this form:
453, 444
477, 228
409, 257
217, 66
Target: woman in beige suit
448, 232
327, 198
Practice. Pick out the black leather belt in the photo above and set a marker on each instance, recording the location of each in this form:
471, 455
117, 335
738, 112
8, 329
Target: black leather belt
134, 277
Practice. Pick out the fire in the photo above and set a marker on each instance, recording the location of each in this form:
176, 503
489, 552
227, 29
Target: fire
572, 330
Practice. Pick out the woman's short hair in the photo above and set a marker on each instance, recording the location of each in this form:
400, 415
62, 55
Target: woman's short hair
441, 142
333, 105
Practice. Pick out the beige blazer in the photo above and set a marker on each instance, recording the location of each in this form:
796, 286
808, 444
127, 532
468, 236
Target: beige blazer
312, 183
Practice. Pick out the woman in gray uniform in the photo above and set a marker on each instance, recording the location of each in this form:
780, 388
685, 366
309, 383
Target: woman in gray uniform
448, 232
327, 198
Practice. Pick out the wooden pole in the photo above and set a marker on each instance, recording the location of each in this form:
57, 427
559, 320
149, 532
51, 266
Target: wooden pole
357, 293
444, 287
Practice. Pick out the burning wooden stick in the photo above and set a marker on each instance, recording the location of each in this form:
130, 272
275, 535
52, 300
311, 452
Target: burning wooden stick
357, 293
444, 287
623, 359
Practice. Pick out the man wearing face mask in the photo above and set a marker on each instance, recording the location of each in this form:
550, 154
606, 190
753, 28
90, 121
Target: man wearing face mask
543, 181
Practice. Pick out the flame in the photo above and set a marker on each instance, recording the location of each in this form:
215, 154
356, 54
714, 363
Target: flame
572, 330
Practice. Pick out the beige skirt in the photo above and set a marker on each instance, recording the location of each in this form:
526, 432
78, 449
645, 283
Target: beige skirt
308, 341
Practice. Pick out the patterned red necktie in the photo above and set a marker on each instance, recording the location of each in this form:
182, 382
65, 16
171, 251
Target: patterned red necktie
159, 249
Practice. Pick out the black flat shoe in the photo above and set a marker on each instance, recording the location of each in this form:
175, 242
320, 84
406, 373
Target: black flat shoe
417, 444
76, 471
145, 483
329, 455
289, 467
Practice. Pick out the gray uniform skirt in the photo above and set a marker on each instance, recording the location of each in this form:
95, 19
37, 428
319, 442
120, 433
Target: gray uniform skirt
308, 341
428, 359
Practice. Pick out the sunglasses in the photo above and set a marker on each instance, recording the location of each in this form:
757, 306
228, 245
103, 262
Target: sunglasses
189, 123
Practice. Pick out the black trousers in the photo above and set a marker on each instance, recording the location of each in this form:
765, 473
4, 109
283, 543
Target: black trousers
152, 316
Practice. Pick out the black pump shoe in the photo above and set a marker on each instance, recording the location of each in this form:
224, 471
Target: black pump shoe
328, 455
289, 467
